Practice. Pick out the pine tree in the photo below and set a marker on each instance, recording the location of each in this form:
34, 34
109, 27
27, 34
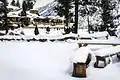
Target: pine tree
2, 22
13, 3
107, 17
18, 3
30, 4
88, 8
3, 10
63, 9
23, 12
36, 31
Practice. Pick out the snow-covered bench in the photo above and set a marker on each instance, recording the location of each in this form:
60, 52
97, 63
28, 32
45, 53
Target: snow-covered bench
98, 42
103, 54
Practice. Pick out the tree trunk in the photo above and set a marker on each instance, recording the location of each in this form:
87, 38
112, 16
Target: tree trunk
67, 21
76, 17
88, 19
88, 24
6, 24
67, 15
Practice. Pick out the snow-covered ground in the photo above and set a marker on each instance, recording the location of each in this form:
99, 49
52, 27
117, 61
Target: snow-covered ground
46, 61
21, 60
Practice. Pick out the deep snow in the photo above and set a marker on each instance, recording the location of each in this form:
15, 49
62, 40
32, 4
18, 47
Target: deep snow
46, 61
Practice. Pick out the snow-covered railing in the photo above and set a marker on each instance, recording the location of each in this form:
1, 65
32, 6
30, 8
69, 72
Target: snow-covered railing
37, 38
98, 42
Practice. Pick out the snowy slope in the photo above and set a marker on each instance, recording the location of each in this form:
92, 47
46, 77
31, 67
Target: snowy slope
38, 3
48, 10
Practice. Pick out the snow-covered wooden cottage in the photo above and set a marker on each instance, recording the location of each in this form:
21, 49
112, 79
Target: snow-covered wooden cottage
50, 20
33, 11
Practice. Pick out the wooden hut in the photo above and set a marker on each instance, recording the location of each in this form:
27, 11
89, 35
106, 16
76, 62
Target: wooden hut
13, 21
33, 11
39, 20
14, 18
25, 20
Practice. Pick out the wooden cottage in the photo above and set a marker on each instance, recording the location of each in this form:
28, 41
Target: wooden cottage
34, 11
56, 22
25, 20
14, 19
39, 20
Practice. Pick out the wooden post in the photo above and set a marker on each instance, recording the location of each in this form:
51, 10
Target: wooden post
99, 58
118, 56
79, 70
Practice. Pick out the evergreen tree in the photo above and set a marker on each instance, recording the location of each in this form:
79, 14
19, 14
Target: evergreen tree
63, 9
3, 17
88, 9
36, 31
18, 3
23, 12
107, 16
30, 4
13, 3
2, 22
48, 29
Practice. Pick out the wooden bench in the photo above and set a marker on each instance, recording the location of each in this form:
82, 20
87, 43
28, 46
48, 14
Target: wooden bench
104, 53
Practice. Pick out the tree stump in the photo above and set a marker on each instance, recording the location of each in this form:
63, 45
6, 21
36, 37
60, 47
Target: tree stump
79, 70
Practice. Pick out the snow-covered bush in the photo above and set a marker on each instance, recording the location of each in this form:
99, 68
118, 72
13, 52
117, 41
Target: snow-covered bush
18, 31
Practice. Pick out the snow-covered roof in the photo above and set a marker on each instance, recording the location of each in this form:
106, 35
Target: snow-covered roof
31, 15
56, 17
14, 13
